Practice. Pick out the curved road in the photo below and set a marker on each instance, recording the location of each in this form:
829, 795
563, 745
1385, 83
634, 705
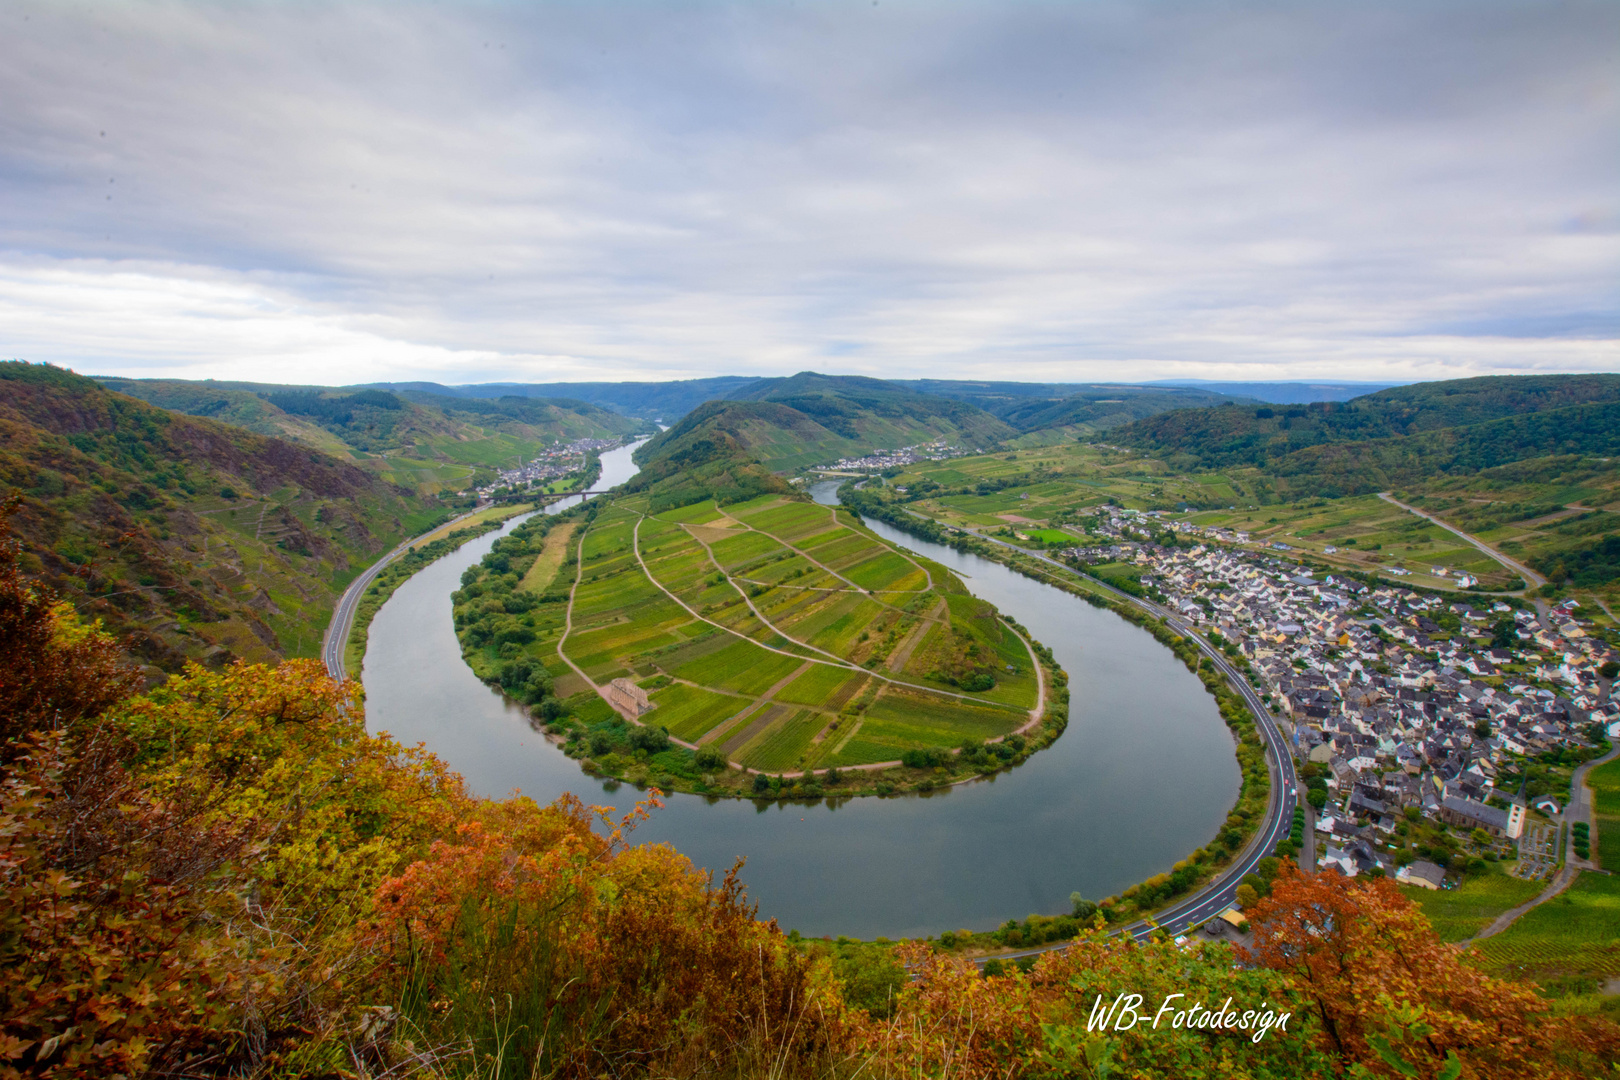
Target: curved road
1535, 579
1221, 893
1579, 809
337, 631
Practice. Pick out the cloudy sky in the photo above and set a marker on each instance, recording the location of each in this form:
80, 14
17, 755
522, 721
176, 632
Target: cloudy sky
1040, 190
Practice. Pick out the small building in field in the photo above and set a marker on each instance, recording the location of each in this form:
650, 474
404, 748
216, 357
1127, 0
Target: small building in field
627, 697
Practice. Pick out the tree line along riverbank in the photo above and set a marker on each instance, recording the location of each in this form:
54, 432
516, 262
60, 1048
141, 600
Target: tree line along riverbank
1242, 821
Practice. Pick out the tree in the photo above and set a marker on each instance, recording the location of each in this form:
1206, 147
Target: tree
54, 669
1382, 984
1246, 896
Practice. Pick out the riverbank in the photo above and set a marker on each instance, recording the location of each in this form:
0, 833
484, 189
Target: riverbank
1244, 823
1142, 776
434, 546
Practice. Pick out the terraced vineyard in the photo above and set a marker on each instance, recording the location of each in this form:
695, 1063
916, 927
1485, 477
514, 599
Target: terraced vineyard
779, 634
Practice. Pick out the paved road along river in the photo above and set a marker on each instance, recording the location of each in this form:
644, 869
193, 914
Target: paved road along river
1144, 774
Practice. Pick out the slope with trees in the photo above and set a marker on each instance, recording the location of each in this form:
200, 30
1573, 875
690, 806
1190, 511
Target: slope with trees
431, 441
191, 538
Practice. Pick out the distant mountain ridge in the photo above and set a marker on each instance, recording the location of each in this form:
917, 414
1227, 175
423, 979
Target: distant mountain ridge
1018, 403
1394, 436
811, 419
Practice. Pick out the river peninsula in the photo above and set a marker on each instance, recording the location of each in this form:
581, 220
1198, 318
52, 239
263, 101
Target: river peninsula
773, 648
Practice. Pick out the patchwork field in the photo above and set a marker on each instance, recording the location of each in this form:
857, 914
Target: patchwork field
1555, 513
776, 632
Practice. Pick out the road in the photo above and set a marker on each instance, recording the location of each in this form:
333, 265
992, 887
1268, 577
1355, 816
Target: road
1220, 893
1579, 809
1535, 579
337, 631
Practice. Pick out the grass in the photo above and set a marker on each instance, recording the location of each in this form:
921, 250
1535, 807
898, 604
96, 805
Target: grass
886, 571
1604, 781
1460, 913
741, 666
696, 513
905, 716
822, 684
492, 513
1573, 936
689, 711
544, 571
783, 744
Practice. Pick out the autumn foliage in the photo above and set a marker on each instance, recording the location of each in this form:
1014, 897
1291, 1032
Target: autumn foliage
1387, 992
227, 875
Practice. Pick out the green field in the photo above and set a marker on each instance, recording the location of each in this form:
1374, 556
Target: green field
1574, 936
689, 711
745, 643
1604, 781
1460, 913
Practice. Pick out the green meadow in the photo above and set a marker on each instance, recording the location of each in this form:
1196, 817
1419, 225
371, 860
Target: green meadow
778, 635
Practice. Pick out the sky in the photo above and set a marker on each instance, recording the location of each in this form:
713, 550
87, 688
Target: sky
1047, 191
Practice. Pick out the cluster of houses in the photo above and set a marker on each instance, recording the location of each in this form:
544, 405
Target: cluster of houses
553, 464
1392, 691
937, 450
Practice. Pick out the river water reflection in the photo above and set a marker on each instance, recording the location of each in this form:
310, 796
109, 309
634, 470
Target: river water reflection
1144, 774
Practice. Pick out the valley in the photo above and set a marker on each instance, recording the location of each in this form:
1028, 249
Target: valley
1063, 626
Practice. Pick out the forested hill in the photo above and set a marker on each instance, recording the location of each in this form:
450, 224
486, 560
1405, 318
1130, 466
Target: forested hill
873, 414
714, 453
189, 538
431, 441
814, 419
1230, 435
1087, 406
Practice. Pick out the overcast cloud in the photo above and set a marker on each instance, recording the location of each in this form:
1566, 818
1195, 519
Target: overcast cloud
1052, 191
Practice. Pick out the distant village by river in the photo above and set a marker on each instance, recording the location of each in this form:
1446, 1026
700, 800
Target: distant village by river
549, 466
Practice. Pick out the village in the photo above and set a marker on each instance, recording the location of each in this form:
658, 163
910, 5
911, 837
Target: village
880, 460
1433, 730
550, 465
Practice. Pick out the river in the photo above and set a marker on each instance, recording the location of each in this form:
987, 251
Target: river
1143, 775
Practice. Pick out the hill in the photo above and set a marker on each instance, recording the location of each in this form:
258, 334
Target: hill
870, 414
811, 419
669, 401
663, 401
1230, 435
1080, 408
713, 453
730, 449
431, 440
190, 538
